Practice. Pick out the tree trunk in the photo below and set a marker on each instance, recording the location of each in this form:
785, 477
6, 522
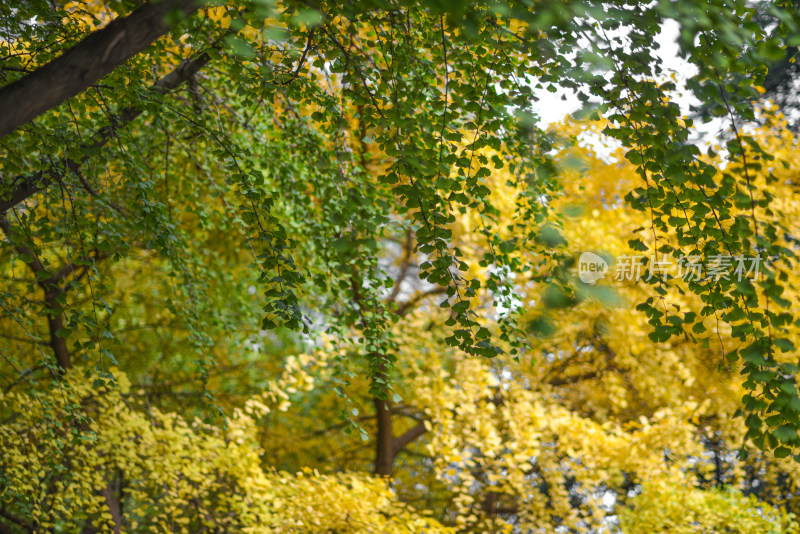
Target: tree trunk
55, 321
384, 445
53, 293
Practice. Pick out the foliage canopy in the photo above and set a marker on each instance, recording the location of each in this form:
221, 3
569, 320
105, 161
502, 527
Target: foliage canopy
294, 212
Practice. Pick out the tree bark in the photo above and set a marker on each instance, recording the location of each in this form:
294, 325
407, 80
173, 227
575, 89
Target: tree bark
85, 63
400, 442
55, 322
114, 507
384, 450
387, 446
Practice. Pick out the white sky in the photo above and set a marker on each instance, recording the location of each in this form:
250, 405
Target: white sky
552, 109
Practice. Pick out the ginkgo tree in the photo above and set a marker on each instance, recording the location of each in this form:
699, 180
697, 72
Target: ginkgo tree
602, 412
193, 194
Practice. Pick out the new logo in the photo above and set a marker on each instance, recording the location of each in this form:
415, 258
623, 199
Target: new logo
591, 267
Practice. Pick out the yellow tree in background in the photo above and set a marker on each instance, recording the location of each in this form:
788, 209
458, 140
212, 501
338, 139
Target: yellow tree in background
598, 425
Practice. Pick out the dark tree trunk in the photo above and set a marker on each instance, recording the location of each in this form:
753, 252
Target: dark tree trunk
55, 322
384, 446
53, 295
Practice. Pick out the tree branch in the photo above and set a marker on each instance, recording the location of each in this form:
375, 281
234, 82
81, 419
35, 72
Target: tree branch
401, 441
85, 63
573, 379
16, 520
27, 186
113, 507
408, 305
405, 265
53, 293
